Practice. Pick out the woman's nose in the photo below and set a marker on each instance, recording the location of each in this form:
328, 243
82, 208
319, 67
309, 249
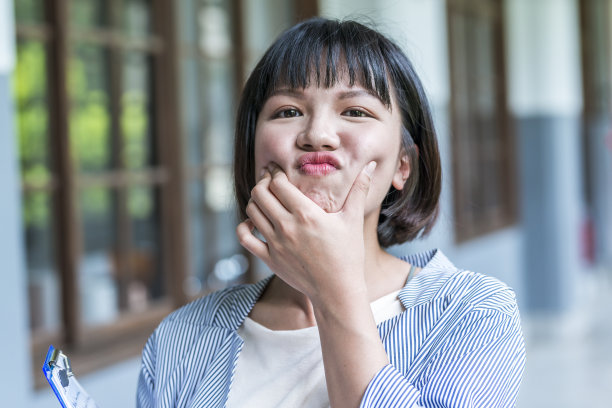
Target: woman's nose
319, 134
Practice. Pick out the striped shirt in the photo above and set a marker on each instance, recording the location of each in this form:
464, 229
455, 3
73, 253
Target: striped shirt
458, 344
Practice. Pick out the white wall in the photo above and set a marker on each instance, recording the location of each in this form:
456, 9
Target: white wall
7, 37
543, 54
14, 376
13, 317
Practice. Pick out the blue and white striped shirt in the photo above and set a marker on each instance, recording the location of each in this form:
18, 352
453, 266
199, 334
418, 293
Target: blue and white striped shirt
458, 344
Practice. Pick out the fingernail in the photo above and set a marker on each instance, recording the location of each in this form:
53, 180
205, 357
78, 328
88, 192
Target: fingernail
370, 168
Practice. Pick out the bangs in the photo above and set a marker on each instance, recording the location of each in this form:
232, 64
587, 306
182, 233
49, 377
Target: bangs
324, 53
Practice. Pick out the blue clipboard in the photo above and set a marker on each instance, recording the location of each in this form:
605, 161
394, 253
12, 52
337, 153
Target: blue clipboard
59, 374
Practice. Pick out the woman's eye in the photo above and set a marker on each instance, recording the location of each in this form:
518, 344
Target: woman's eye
288, 113
356, 113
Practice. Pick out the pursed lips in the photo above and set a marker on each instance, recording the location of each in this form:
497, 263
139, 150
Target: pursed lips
318, 163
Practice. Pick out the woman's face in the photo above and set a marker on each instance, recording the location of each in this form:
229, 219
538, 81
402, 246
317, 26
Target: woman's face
323, 137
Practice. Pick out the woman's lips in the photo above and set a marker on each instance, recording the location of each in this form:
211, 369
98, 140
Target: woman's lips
318, 163
322, 169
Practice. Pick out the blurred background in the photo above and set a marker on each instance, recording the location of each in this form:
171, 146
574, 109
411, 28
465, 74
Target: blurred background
115, 171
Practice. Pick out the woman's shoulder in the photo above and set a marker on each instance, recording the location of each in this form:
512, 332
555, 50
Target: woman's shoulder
440, 279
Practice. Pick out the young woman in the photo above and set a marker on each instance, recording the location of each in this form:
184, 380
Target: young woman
336, 158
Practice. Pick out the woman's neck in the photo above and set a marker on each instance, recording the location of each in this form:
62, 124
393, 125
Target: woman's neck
282, 307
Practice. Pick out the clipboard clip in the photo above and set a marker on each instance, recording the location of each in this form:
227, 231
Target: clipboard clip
56, 358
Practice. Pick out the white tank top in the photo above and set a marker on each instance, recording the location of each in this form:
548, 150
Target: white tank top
284, 368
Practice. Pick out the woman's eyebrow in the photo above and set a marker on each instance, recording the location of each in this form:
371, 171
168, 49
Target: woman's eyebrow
356, 93
287, 92
363, 92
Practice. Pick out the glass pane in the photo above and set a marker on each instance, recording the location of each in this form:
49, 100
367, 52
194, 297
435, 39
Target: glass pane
29, 11
88, 13
186, 22
30, 92
216, 255
43, 281
200, 242
191, 111
217, 81
219, 189
485, 75
136, 111
214, 30
137, 17
146, 281
600, 76
90, 123
231, 265
98, 275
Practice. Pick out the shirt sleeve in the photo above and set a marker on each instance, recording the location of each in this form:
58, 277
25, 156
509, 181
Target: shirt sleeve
478, 364
146, 380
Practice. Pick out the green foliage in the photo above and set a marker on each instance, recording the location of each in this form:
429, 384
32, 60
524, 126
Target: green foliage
28, 11
90, 120
95, 202
31, 117
89, 126
140, 203
134, 126
90, 131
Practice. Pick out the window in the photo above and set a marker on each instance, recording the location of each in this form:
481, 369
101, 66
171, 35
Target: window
596, 26
208, 82
94, 180
482, 145
104, 181
596, 42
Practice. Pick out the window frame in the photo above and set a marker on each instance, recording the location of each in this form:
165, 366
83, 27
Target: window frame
595, 108
479, 224
91, 348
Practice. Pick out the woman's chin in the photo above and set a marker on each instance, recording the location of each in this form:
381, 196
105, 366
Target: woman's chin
326, 201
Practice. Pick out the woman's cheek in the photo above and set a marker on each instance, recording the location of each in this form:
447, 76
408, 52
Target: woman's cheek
265, 152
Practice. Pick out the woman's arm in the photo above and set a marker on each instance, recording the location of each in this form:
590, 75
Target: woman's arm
478, 363
352, 350
146, 379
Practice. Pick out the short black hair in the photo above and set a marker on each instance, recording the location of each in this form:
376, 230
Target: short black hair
321, 52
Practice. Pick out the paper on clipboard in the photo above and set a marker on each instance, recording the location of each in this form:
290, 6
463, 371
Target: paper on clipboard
63, 382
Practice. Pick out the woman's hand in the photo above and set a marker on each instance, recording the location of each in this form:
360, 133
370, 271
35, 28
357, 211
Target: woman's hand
319, 254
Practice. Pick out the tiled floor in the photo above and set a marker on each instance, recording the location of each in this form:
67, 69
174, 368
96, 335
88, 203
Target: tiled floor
569, 358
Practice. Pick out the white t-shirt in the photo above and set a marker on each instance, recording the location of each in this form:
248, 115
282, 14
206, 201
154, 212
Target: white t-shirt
284, 368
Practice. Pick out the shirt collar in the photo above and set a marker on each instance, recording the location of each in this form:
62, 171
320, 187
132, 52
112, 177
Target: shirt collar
436, 269
241, 303
425, 285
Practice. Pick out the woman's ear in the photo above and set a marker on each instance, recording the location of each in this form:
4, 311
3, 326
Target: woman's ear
403, 171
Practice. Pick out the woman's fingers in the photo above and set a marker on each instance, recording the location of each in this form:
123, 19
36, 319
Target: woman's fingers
259, 219
355, 201
247, 238
289, 195
266, 200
